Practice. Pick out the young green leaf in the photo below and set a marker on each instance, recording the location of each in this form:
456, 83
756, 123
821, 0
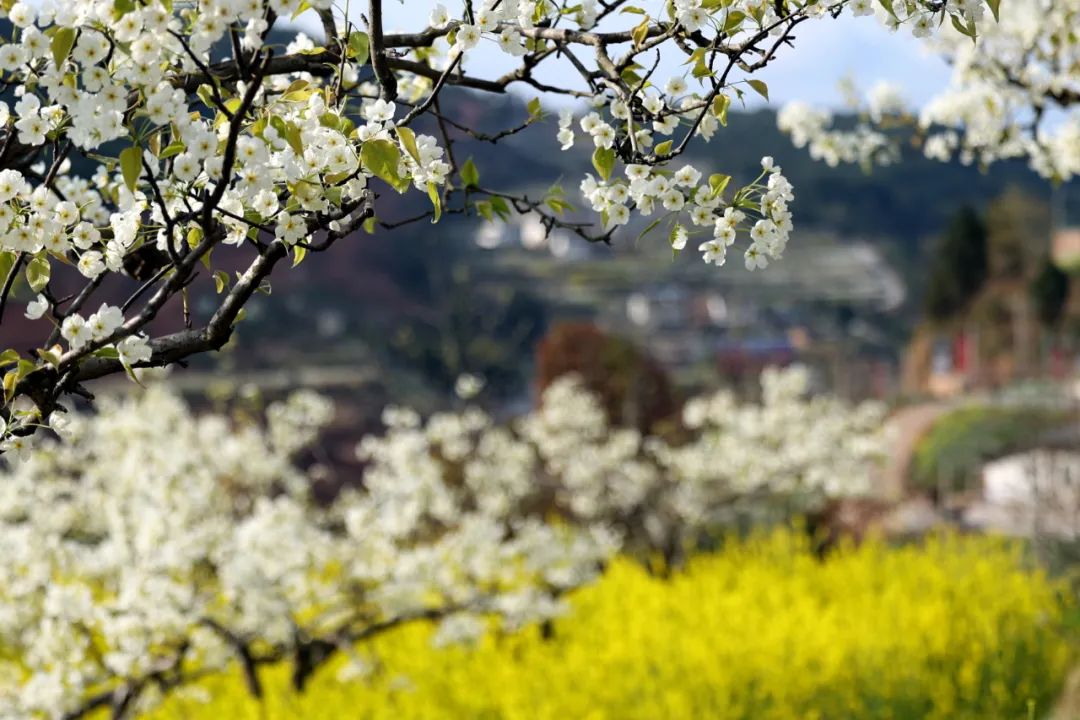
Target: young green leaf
382, 157
299, 253
470, 176
436, 200
759, 87
717, 183
720, 105
221, 281
359, 47
62, 42
603, 160
37, 273
131, 165
408, 141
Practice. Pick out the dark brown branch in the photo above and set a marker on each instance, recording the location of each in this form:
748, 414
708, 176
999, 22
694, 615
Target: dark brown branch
383, 73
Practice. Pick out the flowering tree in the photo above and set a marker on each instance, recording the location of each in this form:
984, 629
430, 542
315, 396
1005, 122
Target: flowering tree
152, 546
1013, 93
210, 144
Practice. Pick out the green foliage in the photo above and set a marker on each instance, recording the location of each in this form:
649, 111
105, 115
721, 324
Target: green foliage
38, 272
131, 165
953, 629
1049, 291
470, 176
959, 267
382, 158
359, 47
960, 442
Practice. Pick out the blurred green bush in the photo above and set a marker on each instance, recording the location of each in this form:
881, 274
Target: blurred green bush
950, 456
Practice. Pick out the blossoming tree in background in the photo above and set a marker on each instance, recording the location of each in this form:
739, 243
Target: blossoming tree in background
209, 144
1014, 93
151, 546
154, 546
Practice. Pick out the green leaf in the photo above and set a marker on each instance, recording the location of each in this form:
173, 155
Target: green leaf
632, 10
995, 6
194, 237
718, 183
603, 159
38, 272
7, 259
359, 47
11, 380
221, 281
62, 42
500, 207
470, 176
720, 105
297, 96
9, 356
631, 78
206, 94
534, 108
760, 88
695, 57
299, 253
408, 140
968, 29
171, 149
436, 200
382, 157
50, 356
131, 165
558, 205
649, 228
484, 208
663, 148
303, 7
293, 137
733, 21
640, 33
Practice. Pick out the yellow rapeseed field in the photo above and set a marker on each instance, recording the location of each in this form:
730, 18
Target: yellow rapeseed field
952, 628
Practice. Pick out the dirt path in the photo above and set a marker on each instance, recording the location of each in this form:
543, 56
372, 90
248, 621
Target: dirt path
905, 427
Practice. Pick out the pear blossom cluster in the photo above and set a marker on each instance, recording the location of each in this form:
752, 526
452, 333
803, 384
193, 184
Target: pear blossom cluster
788, 449
691, 207
265, 152
1013, 94
813, 128
154, 544
203, 166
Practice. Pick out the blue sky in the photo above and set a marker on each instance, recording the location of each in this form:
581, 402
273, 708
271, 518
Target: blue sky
824, 52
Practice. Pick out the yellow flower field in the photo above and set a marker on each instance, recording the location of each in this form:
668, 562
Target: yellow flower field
954, 628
